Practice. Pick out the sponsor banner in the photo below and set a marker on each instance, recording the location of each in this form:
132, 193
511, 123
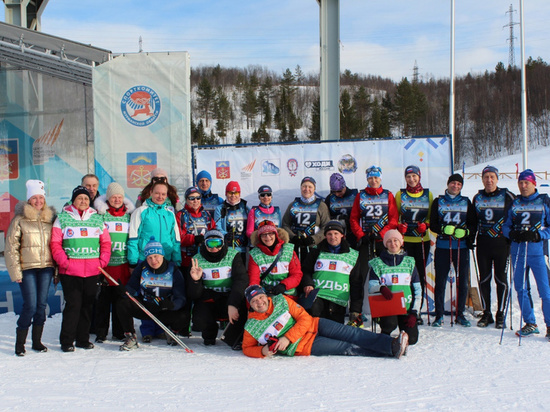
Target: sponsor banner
283, 166
142, 120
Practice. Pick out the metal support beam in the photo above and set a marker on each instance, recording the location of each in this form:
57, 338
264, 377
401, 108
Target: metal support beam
329, 18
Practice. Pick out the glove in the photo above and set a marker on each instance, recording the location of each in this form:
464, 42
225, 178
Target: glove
460, 233
166, 304
120, 290
402, 228
449, 230
296, 240
271, 342
515, 235
373, 236
277, 290
229, 237
199, 239
386, 292
421, 228
531, 236
411, 319
308, 241
151, 306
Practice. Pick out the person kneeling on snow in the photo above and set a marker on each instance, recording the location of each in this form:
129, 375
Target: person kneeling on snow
394, 271
279, 325
158, 284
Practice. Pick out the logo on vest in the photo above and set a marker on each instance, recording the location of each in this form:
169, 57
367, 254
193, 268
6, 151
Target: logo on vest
319, 265
332, 265
70, 233
215, 274
118, 227
278, 325
394, 279
140, 106
83, 232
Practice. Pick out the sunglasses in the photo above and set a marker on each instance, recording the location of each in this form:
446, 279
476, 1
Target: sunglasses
233, 193
265, 195
157, 179
194, 198
374, 169
213, 242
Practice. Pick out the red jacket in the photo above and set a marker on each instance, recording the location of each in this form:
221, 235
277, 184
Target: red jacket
306, 327
355, 217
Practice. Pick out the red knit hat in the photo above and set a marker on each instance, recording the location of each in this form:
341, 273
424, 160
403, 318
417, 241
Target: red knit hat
266, 226
233, 187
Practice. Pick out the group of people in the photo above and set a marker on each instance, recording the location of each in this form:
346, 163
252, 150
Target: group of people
277, 282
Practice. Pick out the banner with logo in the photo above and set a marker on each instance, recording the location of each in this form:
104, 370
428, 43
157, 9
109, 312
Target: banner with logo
283, 166
142, 120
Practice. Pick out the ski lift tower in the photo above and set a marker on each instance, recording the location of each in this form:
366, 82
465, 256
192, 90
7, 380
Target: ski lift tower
25, 13
329, 22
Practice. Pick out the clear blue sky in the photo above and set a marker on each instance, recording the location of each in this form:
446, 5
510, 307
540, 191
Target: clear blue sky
377, 37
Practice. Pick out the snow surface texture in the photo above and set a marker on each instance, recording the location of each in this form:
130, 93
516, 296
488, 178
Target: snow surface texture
450, 368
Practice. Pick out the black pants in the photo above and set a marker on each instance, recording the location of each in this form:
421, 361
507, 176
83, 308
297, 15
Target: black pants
442, 266
128, 310
206, 313
389, 323
415, 250
492, 254
79, 294
323, 308
106, 301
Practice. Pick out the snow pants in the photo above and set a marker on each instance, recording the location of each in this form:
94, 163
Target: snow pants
442, 267
492, 254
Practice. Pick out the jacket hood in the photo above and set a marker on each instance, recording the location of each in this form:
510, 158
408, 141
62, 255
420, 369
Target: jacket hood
100, 204
26, 210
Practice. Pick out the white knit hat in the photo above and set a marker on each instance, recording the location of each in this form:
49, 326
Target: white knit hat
35, 187
114, 189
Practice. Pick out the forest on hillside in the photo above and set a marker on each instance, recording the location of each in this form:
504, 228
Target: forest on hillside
254, 104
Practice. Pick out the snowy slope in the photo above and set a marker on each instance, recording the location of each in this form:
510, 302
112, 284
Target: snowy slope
452, 368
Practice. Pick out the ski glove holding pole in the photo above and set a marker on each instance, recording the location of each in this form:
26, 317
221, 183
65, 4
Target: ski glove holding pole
520, 236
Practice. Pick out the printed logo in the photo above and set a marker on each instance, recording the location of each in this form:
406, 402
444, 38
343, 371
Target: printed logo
9, 159
118, 227
70, 233
140, 106
347, 164
83, 232
332, 265
318, 265
292, 166
394, 279
246, 172
271, 167
223, 170
215, 274
42, 148
319, 164
278, 325
139, 167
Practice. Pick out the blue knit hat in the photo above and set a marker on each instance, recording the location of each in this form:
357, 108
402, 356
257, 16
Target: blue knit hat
203, 174
192, 190
253, 291
153, 248
489, 169
374, 171
528, 175
412, 169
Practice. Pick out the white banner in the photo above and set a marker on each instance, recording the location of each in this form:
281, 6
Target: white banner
142, 120
283, 166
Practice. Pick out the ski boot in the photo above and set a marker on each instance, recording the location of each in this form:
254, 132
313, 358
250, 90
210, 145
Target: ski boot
486, 320
130, 342
499, 320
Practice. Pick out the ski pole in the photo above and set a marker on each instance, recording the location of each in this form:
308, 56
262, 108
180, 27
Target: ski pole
523, 292
457, 277
153, 317
451, 277
425, 284
507, 302
478, 280
511, 282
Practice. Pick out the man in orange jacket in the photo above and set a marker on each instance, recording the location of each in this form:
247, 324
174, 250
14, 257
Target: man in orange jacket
279, 325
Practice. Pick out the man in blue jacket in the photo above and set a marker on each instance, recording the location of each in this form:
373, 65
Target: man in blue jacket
527, 224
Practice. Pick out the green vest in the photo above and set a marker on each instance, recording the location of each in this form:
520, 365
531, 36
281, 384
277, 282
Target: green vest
397, 278
217, 275
331, 275
119, 228
277, 324
279, 271
81, 237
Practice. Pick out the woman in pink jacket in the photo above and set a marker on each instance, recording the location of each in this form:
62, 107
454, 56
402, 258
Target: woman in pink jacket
80, 244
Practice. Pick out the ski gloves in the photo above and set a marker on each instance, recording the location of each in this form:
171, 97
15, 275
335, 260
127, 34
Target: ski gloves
457, 232
519, 236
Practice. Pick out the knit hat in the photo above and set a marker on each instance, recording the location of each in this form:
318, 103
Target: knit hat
455, 178
490, 169
203, 174
253, 291
264, 189
213, 233
528, 175
35, 187
159, 172
374, 171
80, 190
391, 234
337, 182
266, 226
114, 189
233, 187
191, 191
153, 248
335, 225
308, 179
412, 169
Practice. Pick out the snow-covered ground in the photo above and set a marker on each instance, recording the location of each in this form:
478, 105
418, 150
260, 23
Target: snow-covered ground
450, 368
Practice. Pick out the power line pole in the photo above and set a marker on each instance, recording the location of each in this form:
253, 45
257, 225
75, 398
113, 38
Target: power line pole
511, 56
